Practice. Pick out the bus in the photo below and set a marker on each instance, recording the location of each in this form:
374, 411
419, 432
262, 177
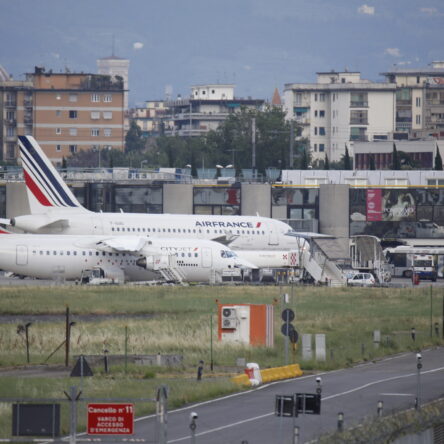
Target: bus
423, 266
401, 259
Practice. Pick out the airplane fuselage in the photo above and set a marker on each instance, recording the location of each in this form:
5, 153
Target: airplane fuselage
48, 256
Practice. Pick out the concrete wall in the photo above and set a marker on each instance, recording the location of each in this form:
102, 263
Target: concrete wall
334, 210
255, 199
178, 198
16, 200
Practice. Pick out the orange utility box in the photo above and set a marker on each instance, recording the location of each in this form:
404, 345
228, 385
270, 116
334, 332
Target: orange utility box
246, 323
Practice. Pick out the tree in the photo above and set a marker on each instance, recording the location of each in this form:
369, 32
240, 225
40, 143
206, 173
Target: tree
438, 160
395, 159
305, 160
326, 163
346, 160
134, 140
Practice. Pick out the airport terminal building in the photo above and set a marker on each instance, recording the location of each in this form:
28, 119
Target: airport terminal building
391, 205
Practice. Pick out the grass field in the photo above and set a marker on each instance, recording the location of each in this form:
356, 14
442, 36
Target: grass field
178, 321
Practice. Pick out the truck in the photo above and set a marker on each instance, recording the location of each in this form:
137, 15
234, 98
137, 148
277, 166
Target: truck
96, 276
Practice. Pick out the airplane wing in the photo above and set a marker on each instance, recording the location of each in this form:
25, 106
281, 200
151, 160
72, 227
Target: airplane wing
122, 244
307, 235
225, 239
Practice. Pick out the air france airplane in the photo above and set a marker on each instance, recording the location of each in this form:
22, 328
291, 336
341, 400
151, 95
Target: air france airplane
54, 209
123, 258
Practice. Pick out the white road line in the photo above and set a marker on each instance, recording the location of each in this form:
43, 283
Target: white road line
380, 381
396, 394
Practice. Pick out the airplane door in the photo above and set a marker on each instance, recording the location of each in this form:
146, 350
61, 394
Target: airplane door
22, 255
207, 259
272, 235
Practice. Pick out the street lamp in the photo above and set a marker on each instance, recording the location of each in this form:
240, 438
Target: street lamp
141, 163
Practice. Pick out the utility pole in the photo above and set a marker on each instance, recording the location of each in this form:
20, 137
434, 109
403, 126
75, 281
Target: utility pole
291, 144
253, 142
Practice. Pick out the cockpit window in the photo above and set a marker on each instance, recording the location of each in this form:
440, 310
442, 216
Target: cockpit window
226, 254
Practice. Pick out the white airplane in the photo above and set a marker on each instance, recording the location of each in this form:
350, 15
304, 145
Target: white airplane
54, 209
122, 258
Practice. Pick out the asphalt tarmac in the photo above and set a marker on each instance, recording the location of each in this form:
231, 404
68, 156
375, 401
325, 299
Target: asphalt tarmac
249, 417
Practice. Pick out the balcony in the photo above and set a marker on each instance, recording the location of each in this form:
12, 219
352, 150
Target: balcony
27, 102
359, 104
355, 121
11, 104
358, 138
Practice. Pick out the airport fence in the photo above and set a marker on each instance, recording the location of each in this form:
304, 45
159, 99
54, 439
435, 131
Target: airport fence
103, 419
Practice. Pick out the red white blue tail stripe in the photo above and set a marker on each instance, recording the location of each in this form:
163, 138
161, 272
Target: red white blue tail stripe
42, 179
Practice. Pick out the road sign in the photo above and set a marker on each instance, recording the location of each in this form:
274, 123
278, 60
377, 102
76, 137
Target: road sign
308, 403
294, 336
285, 406
287, 315
110, 419
286, 329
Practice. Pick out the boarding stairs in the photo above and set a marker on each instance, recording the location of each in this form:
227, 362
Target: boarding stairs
166, 266
320, 261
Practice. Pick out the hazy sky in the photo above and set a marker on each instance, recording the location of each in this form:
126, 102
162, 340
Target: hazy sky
256, 44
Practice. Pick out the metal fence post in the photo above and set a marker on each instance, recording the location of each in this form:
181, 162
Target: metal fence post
73, 406
161, 411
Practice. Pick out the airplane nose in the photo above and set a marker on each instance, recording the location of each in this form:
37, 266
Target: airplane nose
242, 263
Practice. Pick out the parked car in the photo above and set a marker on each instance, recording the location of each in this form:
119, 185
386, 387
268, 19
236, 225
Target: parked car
362, 280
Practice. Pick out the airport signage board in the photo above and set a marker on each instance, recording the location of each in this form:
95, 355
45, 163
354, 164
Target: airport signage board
110, 419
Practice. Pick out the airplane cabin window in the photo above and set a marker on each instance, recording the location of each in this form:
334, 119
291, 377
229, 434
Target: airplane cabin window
97, 253
118, 229
68, 253
41, 252
61, 253
83, 253
90, 253
112, 229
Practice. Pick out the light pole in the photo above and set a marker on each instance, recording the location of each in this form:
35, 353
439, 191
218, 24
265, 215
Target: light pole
141, 163
418, 381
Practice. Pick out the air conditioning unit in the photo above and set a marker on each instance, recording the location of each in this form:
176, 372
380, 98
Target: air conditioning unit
229, 323
229, 317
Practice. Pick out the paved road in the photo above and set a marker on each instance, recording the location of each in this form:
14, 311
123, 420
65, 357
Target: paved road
250, 417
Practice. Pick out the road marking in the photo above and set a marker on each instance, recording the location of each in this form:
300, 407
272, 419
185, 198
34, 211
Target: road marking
380, 381
396, 394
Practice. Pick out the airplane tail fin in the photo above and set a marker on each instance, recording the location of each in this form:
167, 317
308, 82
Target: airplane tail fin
45, 188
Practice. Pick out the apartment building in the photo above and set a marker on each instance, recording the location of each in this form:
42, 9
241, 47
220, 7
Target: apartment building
419, 101
206, 108
152, 118
16, 113
339, 109
76, 111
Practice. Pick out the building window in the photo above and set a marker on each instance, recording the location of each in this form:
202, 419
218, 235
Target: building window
315, 147
321, 147
316, 130
107, 132
108, 98
95, 115
73, 97
108, 115
11, 150
321, 113
73, 114
418, 79
321, 131
73, 131
73, 149
316, 97
95, 132
418, 119
58, 147
322, 97
10, 131
316, 113
28, 130
95, 97
418, 101
58, 131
